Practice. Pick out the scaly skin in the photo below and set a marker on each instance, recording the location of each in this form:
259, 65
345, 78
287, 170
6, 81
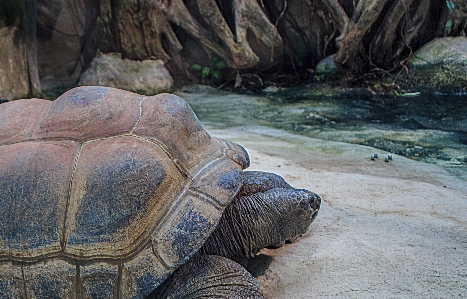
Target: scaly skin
209, 276
261, 220
267, 213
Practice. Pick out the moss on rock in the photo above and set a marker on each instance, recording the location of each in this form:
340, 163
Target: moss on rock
440, 65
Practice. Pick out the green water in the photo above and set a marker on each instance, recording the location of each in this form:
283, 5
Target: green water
431, 129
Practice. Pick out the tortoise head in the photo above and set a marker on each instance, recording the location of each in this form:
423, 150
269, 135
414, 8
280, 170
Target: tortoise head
237, 154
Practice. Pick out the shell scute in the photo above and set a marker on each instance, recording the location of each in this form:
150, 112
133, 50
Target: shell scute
11, 281
20, 118
142, 274
120, 191
52, 279
34, 184
192, 223
220, 180
170, 120
89, 112
99, 280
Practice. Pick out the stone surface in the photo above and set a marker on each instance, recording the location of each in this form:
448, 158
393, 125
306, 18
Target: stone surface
144, 77
441, 65
385, 229
13, 64
326, 66
376, 235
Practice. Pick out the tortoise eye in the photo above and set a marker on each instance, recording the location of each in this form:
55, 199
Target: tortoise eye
234, 156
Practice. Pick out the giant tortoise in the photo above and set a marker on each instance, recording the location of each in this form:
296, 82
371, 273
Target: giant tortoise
109, 194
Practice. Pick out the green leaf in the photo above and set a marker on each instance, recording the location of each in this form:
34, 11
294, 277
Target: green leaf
196, 67
216, 75
205, 72
319, 77
450, 4
220, 65
448, 23
214, 60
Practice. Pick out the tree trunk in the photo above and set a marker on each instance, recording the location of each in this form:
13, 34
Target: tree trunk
386, 36
31, 47
257, 35
194, 30
350, 41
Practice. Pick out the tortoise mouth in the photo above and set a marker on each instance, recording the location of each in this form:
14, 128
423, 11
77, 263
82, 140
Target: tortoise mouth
314, 203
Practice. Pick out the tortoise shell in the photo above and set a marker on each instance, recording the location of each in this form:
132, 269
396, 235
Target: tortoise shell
104, 193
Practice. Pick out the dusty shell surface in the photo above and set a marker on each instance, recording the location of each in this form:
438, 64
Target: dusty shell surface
106, 192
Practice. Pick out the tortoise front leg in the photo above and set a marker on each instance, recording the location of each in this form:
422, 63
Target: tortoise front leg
209, 276
267, 218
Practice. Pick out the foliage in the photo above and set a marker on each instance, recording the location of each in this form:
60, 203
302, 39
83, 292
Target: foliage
211, 72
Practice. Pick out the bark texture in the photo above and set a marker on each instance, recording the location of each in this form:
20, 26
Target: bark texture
242, 36
254, 35
191, 31
381, 34
31, 47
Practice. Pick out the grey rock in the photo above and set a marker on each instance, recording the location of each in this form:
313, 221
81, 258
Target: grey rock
441, 65
271, 89
326, 66
144, 77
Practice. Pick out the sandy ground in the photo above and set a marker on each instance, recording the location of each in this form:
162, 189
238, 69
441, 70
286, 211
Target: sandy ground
385, 230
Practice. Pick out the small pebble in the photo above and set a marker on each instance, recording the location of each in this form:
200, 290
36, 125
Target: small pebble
390, 156
372, 157
376, 156
386, 159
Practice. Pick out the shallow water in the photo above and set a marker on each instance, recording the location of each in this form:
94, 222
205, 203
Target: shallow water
431, 129
428, 128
